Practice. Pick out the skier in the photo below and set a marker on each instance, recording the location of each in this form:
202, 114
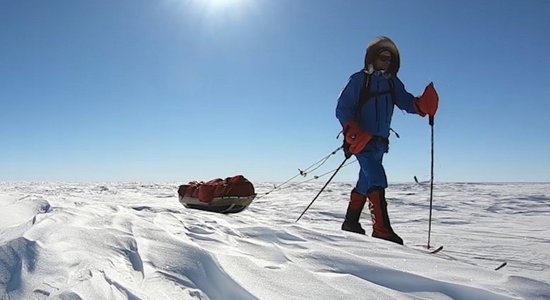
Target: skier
365, 108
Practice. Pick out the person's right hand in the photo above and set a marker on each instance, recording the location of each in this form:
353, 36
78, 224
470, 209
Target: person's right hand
356, 137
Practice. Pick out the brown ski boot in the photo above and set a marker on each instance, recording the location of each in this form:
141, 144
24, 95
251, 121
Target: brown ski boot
355, 207
378, 207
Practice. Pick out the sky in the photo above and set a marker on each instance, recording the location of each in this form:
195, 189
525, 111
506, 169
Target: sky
179, 90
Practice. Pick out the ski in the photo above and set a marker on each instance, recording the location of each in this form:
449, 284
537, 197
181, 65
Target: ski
501, 266
431, 250
436, 250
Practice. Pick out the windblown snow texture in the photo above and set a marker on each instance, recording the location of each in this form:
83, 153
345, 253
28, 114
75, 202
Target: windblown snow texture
136, 241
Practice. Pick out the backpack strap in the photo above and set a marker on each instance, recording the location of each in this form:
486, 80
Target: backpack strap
392, 91
393, 99
363, 97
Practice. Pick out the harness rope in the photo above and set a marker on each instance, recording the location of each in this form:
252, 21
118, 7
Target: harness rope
363, 98
306, 172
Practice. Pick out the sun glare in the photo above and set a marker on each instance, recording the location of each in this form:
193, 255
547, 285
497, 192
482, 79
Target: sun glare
224, 10
217, 11
223, 3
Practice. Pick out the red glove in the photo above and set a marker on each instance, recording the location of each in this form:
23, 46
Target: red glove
356, 137
428, 102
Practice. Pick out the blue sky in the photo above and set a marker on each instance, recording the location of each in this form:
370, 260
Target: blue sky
176, 90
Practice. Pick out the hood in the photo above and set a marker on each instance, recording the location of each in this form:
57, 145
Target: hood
382, 43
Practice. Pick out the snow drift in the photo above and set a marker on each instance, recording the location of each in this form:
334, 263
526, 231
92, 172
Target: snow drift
136, 241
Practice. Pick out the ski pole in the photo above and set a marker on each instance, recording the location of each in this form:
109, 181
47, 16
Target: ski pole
431, 180
323, 188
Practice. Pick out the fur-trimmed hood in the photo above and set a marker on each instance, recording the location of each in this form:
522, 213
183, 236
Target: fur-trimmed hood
376, 46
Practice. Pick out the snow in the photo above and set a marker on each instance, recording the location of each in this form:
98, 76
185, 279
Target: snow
136, 241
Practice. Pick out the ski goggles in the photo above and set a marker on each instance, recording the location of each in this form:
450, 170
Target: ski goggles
384, 58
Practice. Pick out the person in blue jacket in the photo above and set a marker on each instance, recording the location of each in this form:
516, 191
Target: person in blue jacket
365, 108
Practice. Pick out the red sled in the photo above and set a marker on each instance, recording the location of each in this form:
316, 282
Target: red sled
229, 195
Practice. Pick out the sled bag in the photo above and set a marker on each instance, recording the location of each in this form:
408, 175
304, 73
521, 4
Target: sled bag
236, 186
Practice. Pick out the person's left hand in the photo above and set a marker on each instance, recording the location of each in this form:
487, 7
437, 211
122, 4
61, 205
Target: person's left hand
427, 103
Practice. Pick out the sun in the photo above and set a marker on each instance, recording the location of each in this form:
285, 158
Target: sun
226, 9
217, 11
223, 3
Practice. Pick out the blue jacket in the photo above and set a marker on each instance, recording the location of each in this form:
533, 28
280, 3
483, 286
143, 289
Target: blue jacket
376, 113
